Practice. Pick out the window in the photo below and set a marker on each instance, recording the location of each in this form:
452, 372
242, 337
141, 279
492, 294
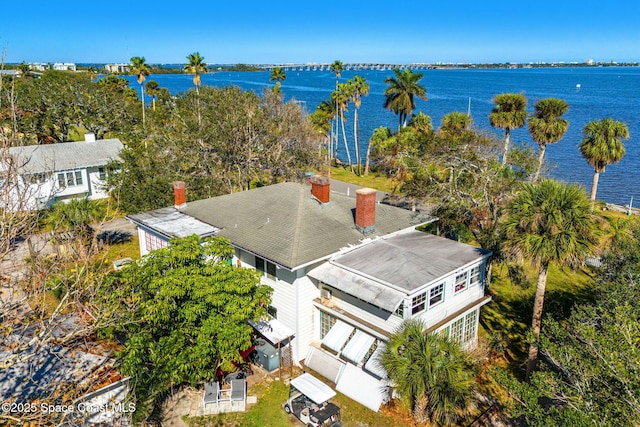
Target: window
456, 330
418, 303
266, 267
465, 328
470, 324
39, 178
272, 311
475, 275
153, 242
69, 179
436, 294
326, 322
102, 173
461, 282
400, 310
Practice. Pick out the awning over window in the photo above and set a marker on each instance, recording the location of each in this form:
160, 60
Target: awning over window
374, 364
357, 347
324, 364
362, 387
337, 336
366, 289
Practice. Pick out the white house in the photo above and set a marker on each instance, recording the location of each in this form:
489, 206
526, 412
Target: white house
345, 271
42, 174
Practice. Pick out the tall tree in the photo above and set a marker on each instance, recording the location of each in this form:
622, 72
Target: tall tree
359, 88
547, 126
549, 222
602, 145
401, 92
341, 97
510, 112
140, 68
432, 375
278, 75
336, 68
189, 318
196, 66
321, 123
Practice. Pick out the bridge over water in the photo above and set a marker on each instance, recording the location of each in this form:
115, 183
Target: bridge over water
346, 66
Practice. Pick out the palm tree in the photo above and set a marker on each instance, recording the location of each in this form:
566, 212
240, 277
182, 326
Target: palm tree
430, 373
546, 126
548, 222
336, 68
359, 88
152, 89
602, 145
278, 75
341, 97
455, 123
510, 112
140, 68
24, 69
401, 93
196, 66
321, 123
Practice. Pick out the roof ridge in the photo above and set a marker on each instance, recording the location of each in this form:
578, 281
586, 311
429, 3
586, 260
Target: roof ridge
295, 242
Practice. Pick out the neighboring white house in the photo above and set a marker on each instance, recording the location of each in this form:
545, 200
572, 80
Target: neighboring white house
43, 174
64, 66
345, 271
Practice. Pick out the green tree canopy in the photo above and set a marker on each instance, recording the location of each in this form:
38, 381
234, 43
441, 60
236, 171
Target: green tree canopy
403, 87
590, 369
546, 223
509, 112
546, 126
187, 309
602, 145
432, 375
196, 66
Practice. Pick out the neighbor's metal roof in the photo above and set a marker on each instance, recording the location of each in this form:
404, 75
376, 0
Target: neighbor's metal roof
171, 222
65, 155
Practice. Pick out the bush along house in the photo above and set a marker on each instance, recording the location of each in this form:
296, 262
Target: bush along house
345, 271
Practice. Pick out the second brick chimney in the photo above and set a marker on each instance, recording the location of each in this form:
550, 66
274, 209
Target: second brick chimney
179, 194
366, 210
320, 188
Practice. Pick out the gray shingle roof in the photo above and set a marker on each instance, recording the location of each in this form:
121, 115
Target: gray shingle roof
284, 224
66, 155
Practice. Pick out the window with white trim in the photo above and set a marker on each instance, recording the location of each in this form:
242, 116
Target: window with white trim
102, 173
475, 275
436, 294
69, 179
400, 310
461, 282
418, 303
464, 329
154, 242
326, 323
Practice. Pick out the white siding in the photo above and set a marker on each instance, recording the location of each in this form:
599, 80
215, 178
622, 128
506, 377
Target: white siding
307, 291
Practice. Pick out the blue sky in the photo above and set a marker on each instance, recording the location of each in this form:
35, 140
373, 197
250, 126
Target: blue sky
301, 32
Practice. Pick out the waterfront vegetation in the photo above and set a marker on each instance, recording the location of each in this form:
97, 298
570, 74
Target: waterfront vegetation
485, 191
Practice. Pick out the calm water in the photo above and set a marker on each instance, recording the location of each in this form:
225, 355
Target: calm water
603, 92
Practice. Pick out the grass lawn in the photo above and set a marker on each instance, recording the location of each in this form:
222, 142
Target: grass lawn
375, 181
268, 411
506, 320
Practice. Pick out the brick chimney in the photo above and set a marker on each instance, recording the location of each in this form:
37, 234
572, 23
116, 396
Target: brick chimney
179, 194
366, 210
320, 188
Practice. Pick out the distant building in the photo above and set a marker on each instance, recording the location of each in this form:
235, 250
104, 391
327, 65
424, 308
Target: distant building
64, 66
48, 173
39, 66
117, 68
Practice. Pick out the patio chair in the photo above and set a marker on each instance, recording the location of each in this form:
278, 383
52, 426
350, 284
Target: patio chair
211, 393
238, 390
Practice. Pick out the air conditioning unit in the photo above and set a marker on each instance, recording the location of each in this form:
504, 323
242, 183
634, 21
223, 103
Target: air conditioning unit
325, 293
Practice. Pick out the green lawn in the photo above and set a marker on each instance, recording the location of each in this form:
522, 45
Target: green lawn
506, 320
376, 181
